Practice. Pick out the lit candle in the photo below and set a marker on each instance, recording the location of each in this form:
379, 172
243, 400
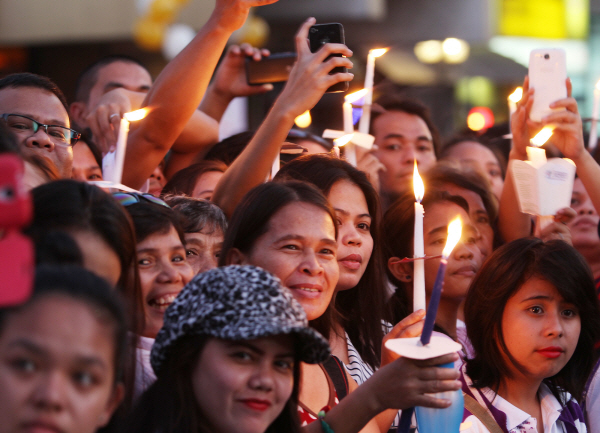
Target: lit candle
513, 98
535, 154
454, 234
275, 167
365, 119
116, 174
344, 141
418, 248
595, 113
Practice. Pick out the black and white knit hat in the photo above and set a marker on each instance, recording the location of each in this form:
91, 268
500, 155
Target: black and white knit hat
237, 303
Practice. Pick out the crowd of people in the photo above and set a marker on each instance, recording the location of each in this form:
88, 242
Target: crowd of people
208, 294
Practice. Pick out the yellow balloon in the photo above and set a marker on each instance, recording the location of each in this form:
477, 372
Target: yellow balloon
149, 34
163, 10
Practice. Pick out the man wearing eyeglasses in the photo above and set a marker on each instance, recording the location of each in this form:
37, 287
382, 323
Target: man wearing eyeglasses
35, 111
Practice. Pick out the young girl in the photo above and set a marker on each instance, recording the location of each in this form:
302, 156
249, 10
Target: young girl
463, 263
289, 229
228, 357
532, 317
62, 355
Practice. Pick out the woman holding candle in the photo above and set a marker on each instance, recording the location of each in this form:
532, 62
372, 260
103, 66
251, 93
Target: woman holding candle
567, 136
289, 229
360, 291
463, 263
533, 318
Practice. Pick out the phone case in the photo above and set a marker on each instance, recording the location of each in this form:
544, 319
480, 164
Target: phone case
273, 69
321, 34
547, 75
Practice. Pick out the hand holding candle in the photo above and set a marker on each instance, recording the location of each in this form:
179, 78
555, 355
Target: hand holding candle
418, 247
454, 235
537, 155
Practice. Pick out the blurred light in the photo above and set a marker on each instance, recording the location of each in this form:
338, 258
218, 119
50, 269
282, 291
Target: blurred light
132, 116
429, 51
304, 120
542, 136
353, 97
455, 50
378, 52
598, 84
342, 141
480, 118
516, 95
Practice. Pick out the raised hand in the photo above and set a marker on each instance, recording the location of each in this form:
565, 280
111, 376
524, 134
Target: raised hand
231, 14
310, 78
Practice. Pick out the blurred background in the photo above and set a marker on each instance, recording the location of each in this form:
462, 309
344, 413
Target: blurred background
453, 55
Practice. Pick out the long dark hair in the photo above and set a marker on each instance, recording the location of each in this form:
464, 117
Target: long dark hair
361, 309
251, 218
170, 406
184, 181
502, 275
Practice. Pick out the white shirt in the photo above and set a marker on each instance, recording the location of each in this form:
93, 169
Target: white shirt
144, 374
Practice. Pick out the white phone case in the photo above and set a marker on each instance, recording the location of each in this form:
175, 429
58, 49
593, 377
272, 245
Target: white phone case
547, 75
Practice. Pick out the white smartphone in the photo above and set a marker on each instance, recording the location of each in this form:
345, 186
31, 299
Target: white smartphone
547, 75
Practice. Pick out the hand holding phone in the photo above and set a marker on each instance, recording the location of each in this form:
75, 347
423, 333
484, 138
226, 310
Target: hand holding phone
273, 69
547, 75
321, 34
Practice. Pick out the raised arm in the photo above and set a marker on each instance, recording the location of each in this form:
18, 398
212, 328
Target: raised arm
308, 81
179, 89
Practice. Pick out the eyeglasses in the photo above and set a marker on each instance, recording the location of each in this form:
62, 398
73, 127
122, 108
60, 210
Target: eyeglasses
129, 198
58, 134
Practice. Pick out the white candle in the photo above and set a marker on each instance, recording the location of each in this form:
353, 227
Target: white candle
418, 244
365, 119
595, 112
276, 166
120, 151
535, 154
348, 122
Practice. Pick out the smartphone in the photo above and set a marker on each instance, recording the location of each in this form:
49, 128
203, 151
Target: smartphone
321, 34
272, 69
547, 75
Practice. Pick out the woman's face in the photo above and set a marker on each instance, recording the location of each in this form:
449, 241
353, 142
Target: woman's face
242, 386
56, 368
164, 272
479, 217
85, 166
300, 248
206, 184
481, 159
465, 259
355, 243
584, 227
541, 330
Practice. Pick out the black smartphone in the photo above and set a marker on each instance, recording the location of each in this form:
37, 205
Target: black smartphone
321, 34
272, 69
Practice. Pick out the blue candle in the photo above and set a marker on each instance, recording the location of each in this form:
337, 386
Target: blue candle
454, 234
434, 302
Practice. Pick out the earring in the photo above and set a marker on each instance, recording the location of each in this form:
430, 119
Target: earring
407, 277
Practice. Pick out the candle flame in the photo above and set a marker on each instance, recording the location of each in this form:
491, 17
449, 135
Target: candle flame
516, 95
353, 97
343, 140
304, 120
454, 234
136, 115
418, 185
598, 85
378, 52
542, 136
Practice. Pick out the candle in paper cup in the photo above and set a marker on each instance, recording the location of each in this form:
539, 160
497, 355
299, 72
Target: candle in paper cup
454, 234
418, 247
365, 119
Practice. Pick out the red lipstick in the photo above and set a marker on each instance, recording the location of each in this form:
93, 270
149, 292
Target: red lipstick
551, 352
257, 404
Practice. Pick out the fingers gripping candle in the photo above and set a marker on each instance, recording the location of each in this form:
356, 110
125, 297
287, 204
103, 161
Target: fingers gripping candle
418, 247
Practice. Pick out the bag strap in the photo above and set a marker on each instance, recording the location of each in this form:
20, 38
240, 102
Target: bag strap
481, 414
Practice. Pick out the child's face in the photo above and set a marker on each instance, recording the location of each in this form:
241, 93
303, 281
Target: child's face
465, 259
541, 330
242, 386
56, 369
